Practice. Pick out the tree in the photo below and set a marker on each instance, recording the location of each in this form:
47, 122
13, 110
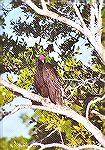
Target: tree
14, 143
84, 86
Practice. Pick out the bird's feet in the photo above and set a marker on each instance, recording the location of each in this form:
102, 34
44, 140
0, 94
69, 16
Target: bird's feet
46, 101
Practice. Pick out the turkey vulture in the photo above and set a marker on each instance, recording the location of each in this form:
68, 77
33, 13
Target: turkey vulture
47, 81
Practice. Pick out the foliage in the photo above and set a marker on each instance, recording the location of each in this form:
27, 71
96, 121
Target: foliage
14, 143
5, 96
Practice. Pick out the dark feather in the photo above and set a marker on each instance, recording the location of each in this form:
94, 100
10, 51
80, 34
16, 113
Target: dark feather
52, 82
47, 82
39, 81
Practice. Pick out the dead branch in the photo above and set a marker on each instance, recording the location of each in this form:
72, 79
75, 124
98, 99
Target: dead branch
92, 102
44, 146
23, 92
46, 12
98, 114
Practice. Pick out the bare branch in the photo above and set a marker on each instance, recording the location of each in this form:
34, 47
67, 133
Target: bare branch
72, 92
79, 16
53, 15
92, 102
70, 148
98, 114
94, 40
96, 10
44, 5
23, 92
61, 136
72, 80
49, 134
33, 6
49, 146
80, 84
35, 144
64, 146
92, 20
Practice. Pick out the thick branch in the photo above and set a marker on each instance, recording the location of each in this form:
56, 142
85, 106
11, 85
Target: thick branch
44, 146
56, 109
69, 148
46, 12
92, 20
94, 40
22, 91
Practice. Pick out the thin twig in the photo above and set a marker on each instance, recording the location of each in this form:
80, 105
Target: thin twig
92, 102
98, 114
79, 16
61, 136
49, 135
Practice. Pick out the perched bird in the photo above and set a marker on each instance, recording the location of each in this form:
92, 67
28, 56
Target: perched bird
47, 81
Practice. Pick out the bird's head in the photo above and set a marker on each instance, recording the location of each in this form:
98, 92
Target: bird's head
42, 58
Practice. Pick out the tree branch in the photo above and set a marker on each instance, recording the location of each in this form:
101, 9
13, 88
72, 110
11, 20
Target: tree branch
46, 12
98, 114
79, 16
92, 19
23, 92
92, 102
44, 5
44, 146
55, 109
94, 40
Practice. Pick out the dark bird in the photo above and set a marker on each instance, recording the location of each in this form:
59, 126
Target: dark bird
47, 81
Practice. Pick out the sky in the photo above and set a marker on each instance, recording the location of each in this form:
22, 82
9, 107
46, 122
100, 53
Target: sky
12, 125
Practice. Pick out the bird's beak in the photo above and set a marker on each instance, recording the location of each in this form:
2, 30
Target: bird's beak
42, 61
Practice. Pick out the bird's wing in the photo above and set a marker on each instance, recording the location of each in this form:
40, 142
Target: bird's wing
39, 82
52, 82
